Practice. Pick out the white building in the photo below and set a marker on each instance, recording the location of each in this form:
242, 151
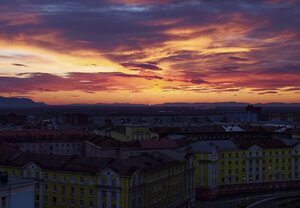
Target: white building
16, 192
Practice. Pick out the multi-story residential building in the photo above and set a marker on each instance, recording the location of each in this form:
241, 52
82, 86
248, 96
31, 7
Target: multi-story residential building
55, 147
149, 180
129, 132
16, 192
235, 166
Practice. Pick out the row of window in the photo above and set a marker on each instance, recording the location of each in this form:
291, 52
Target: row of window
256, 169
283, 160
81, 203
72, 179
256, 177
259, 153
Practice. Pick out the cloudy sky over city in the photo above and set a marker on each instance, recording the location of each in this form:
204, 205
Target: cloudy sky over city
147, 51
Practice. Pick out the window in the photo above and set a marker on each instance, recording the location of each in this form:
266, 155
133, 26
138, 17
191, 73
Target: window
113, 182
46, 176
81, 203
54, 188
72, 202
37, 197
63, 201
113, 195
46, 198
45, 187
103, 180
91, 203
54, 200
63, 178
91, 181
104, 194
54, 177
81, 191
3, 202
63, 190
91, 192
81, 180
71, 179
72, 190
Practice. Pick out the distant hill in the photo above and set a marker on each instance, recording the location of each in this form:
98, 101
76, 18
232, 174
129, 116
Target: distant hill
18, 102
228, 104
15, 102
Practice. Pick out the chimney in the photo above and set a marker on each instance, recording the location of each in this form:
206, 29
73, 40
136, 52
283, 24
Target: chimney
3, 178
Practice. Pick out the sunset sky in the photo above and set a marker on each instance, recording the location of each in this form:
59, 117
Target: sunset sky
150, 51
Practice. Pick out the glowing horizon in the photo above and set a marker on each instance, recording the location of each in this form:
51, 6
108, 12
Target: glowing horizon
141, 51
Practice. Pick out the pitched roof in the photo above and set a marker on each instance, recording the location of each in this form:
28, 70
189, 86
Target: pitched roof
144, 162
264, 143
158, 144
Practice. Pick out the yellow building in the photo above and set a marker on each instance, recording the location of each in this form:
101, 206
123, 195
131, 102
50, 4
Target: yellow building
132, 132
146, 181
235, 166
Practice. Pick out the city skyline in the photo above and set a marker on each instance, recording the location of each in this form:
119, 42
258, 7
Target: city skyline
142, 51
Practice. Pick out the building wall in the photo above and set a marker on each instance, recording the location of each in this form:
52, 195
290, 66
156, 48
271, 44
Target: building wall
55, 148
242, 170
162, 187
17, 196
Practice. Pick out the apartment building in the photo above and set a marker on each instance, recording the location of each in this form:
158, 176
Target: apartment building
235, 166
149, 180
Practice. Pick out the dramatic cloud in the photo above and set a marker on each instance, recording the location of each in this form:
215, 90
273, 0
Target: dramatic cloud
170, 49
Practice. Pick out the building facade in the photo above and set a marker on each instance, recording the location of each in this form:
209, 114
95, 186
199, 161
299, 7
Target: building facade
16, 192
228, 167
149, 180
